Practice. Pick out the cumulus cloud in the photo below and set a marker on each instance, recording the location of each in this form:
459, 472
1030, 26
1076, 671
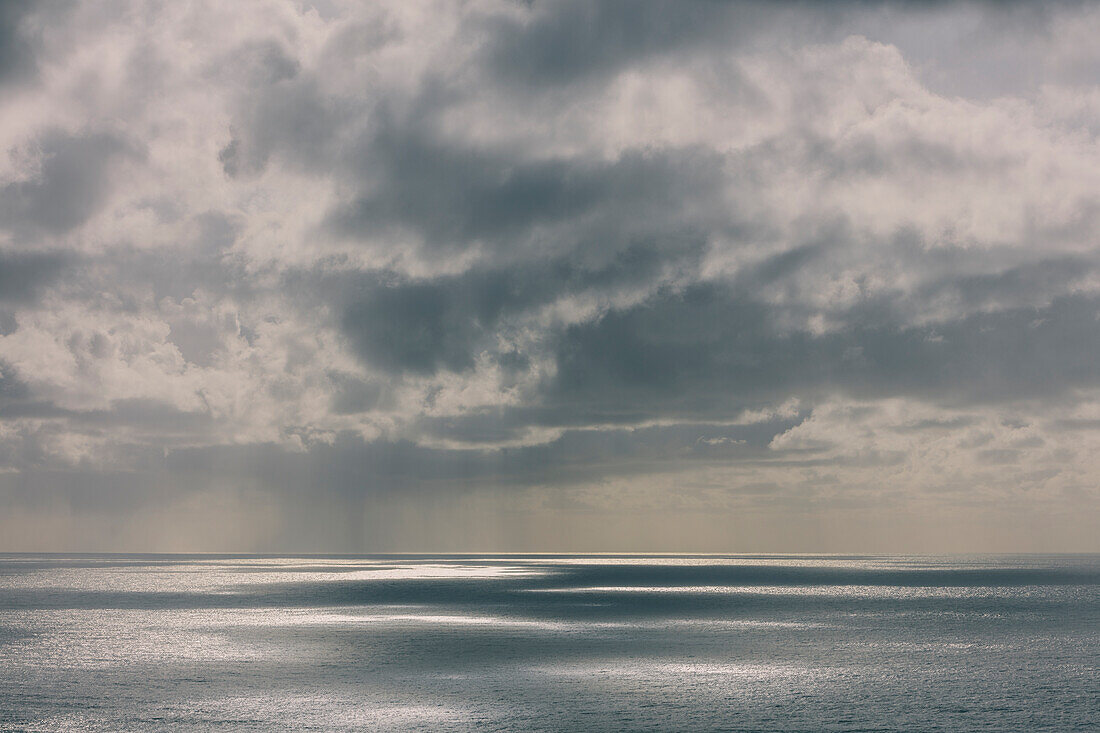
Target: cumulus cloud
550, 268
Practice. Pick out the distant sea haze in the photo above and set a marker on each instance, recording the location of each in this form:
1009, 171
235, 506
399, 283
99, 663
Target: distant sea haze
571, 643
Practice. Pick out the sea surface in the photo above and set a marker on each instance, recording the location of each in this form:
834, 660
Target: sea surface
575, 643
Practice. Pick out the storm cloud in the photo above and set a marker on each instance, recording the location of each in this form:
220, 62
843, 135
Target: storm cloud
505, 275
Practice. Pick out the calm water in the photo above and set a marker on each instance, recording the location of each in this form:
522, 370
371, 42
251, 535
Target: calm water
536, 643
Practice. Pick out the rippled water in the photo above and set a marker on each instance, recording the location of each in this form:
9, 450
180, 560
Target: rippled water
549, 643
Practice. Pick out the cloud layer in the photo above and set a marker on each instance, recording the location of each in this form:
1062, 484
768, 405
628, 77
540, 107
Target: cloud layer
495, 275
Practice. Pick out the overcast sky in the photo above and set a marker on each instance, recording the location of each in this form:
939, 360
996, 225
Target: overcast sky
295, 276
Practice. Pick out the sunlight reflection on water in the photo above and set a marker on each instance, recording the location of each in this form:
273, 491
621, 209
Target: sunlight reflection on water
548, 643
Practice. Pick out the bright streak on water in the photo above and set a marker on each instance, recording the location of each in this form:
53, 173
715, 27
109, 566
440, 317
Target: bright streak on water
117, 643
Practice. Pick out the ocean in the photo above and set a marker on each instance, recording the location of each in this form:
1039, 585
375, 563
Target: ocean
570, 643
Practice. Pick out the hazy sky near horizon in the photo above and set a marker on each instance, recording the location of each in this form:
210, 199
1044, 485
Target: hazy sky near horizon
294, 276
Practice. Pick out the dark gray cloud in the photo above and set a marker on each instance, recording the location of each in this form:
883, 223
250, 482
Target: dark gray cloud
354, 395
11, 387
564, 227
568, 41
69, 186
22, 274
454, 196
970, 46
444, 322
16, 48
705, 349
285, 113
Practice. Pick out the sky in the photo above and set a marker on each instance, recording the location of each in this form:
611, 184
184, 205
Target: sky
282, 276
